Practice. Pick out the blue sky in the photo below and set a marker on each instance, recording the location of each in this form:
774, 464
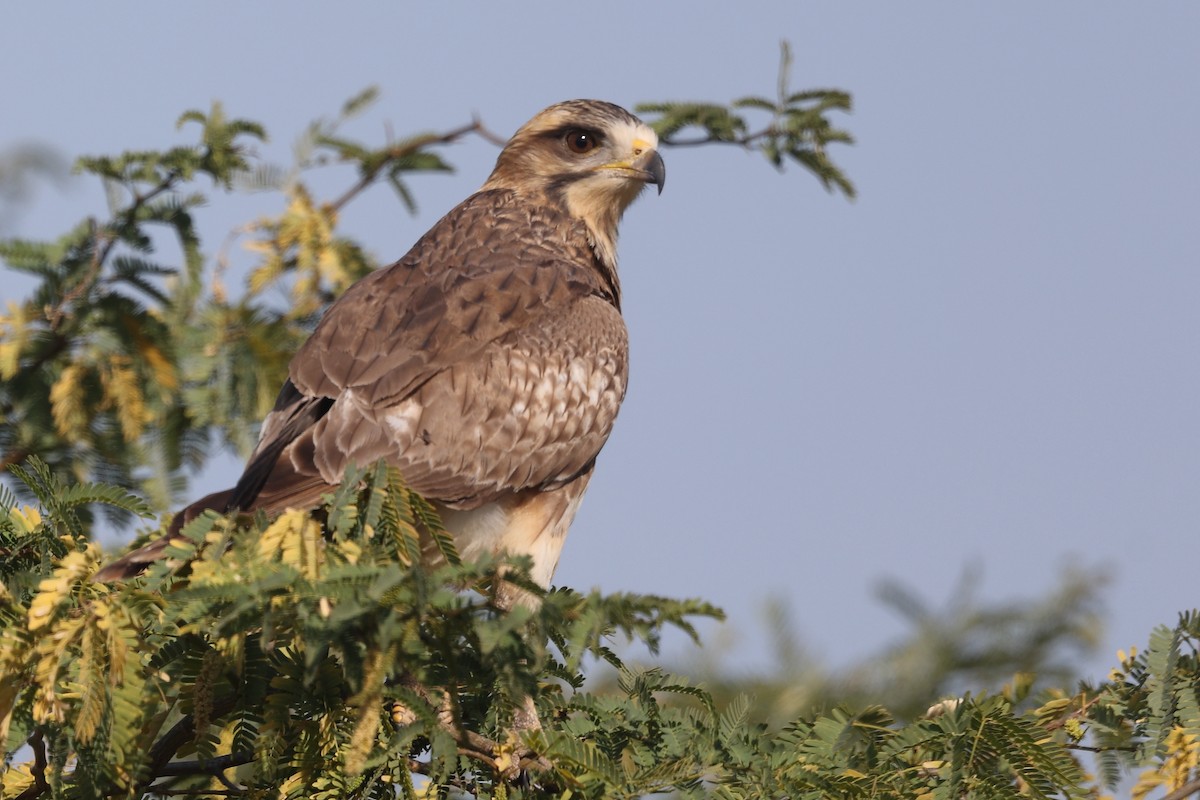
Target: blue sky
989, 359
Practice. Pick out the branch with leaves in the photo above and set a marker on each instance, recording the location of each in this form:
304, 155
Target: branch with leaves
310, 660
265, 653
797, 126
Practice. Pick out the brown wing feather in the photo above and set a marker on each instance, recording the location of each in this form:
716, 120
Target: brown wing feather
489, 359
488, 268
531, 411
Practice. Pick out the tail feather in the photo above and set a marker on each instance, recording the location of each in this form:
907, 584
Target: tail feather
135, 562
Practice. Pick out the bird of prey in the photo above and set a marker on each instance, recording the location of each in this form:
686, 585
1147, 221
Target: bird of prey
487, 364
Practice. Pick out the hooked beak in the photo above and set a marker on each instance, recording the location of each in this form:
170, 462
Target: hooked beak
646, 166
653, 170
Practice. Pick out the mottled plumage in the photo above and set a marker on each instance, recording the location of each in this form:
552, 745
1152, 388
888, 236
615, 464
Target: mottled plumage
487, 364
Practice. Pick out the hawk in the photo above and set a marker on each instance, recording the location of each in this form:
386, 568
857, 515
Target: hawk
487, 364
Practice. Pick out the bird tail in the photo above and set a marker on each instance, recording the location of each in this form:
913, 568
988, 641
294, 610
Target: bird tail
135, 563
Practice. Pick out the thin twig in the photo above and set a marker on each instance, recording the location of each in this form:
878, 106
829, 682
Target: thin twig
392, 154
1088, 749
487, 133
206, 766
204, 792
139, 201
748, 140
100, 254
59, 311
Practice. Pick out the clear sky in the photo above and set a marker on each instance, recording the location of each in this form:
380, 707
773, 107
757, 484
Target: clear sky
989, 359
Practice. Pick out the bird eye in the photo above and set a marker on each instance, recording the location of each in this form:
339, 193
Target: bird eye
581, 141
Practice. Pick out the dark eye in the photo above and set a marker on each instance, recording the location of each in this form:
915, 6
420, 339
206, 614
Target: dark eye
581, 141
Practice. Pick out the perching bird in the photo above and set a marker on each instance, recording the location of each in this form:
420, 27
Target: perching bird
487, 364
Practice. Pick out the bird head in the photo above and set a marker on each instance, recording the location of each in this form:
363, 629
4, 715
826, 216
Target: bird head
593, 157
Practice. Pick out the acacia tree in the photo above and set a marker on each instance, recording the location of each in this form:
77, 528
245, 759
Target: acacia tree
297, 658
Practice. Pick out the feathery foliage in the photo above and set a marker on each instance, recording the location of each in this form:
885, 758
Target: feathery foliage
363, 658
797, 129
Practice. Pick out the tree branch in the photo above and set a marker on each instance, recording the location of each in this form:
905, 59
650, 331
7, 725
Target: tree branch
471, 744
748, 140
140, 200
12, 457
1088, 749
392, 154
101, 253
202, 792
1187, 790
40, 786
162, 751
206, 766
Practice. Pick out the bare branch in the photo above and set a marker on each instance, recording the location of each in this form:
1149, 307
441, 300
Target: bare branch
748, 140
40, 786
487, 133
13, 457
1089, 749
202, 792
207, 766
184, 731
1187, 790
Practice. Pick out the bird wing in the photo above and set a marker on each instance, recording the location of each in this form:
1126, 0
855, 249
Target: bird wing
490, 359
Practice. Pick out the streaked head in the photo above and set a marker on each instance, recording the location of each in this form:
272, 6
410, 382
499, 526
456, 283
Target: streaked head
593, 156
